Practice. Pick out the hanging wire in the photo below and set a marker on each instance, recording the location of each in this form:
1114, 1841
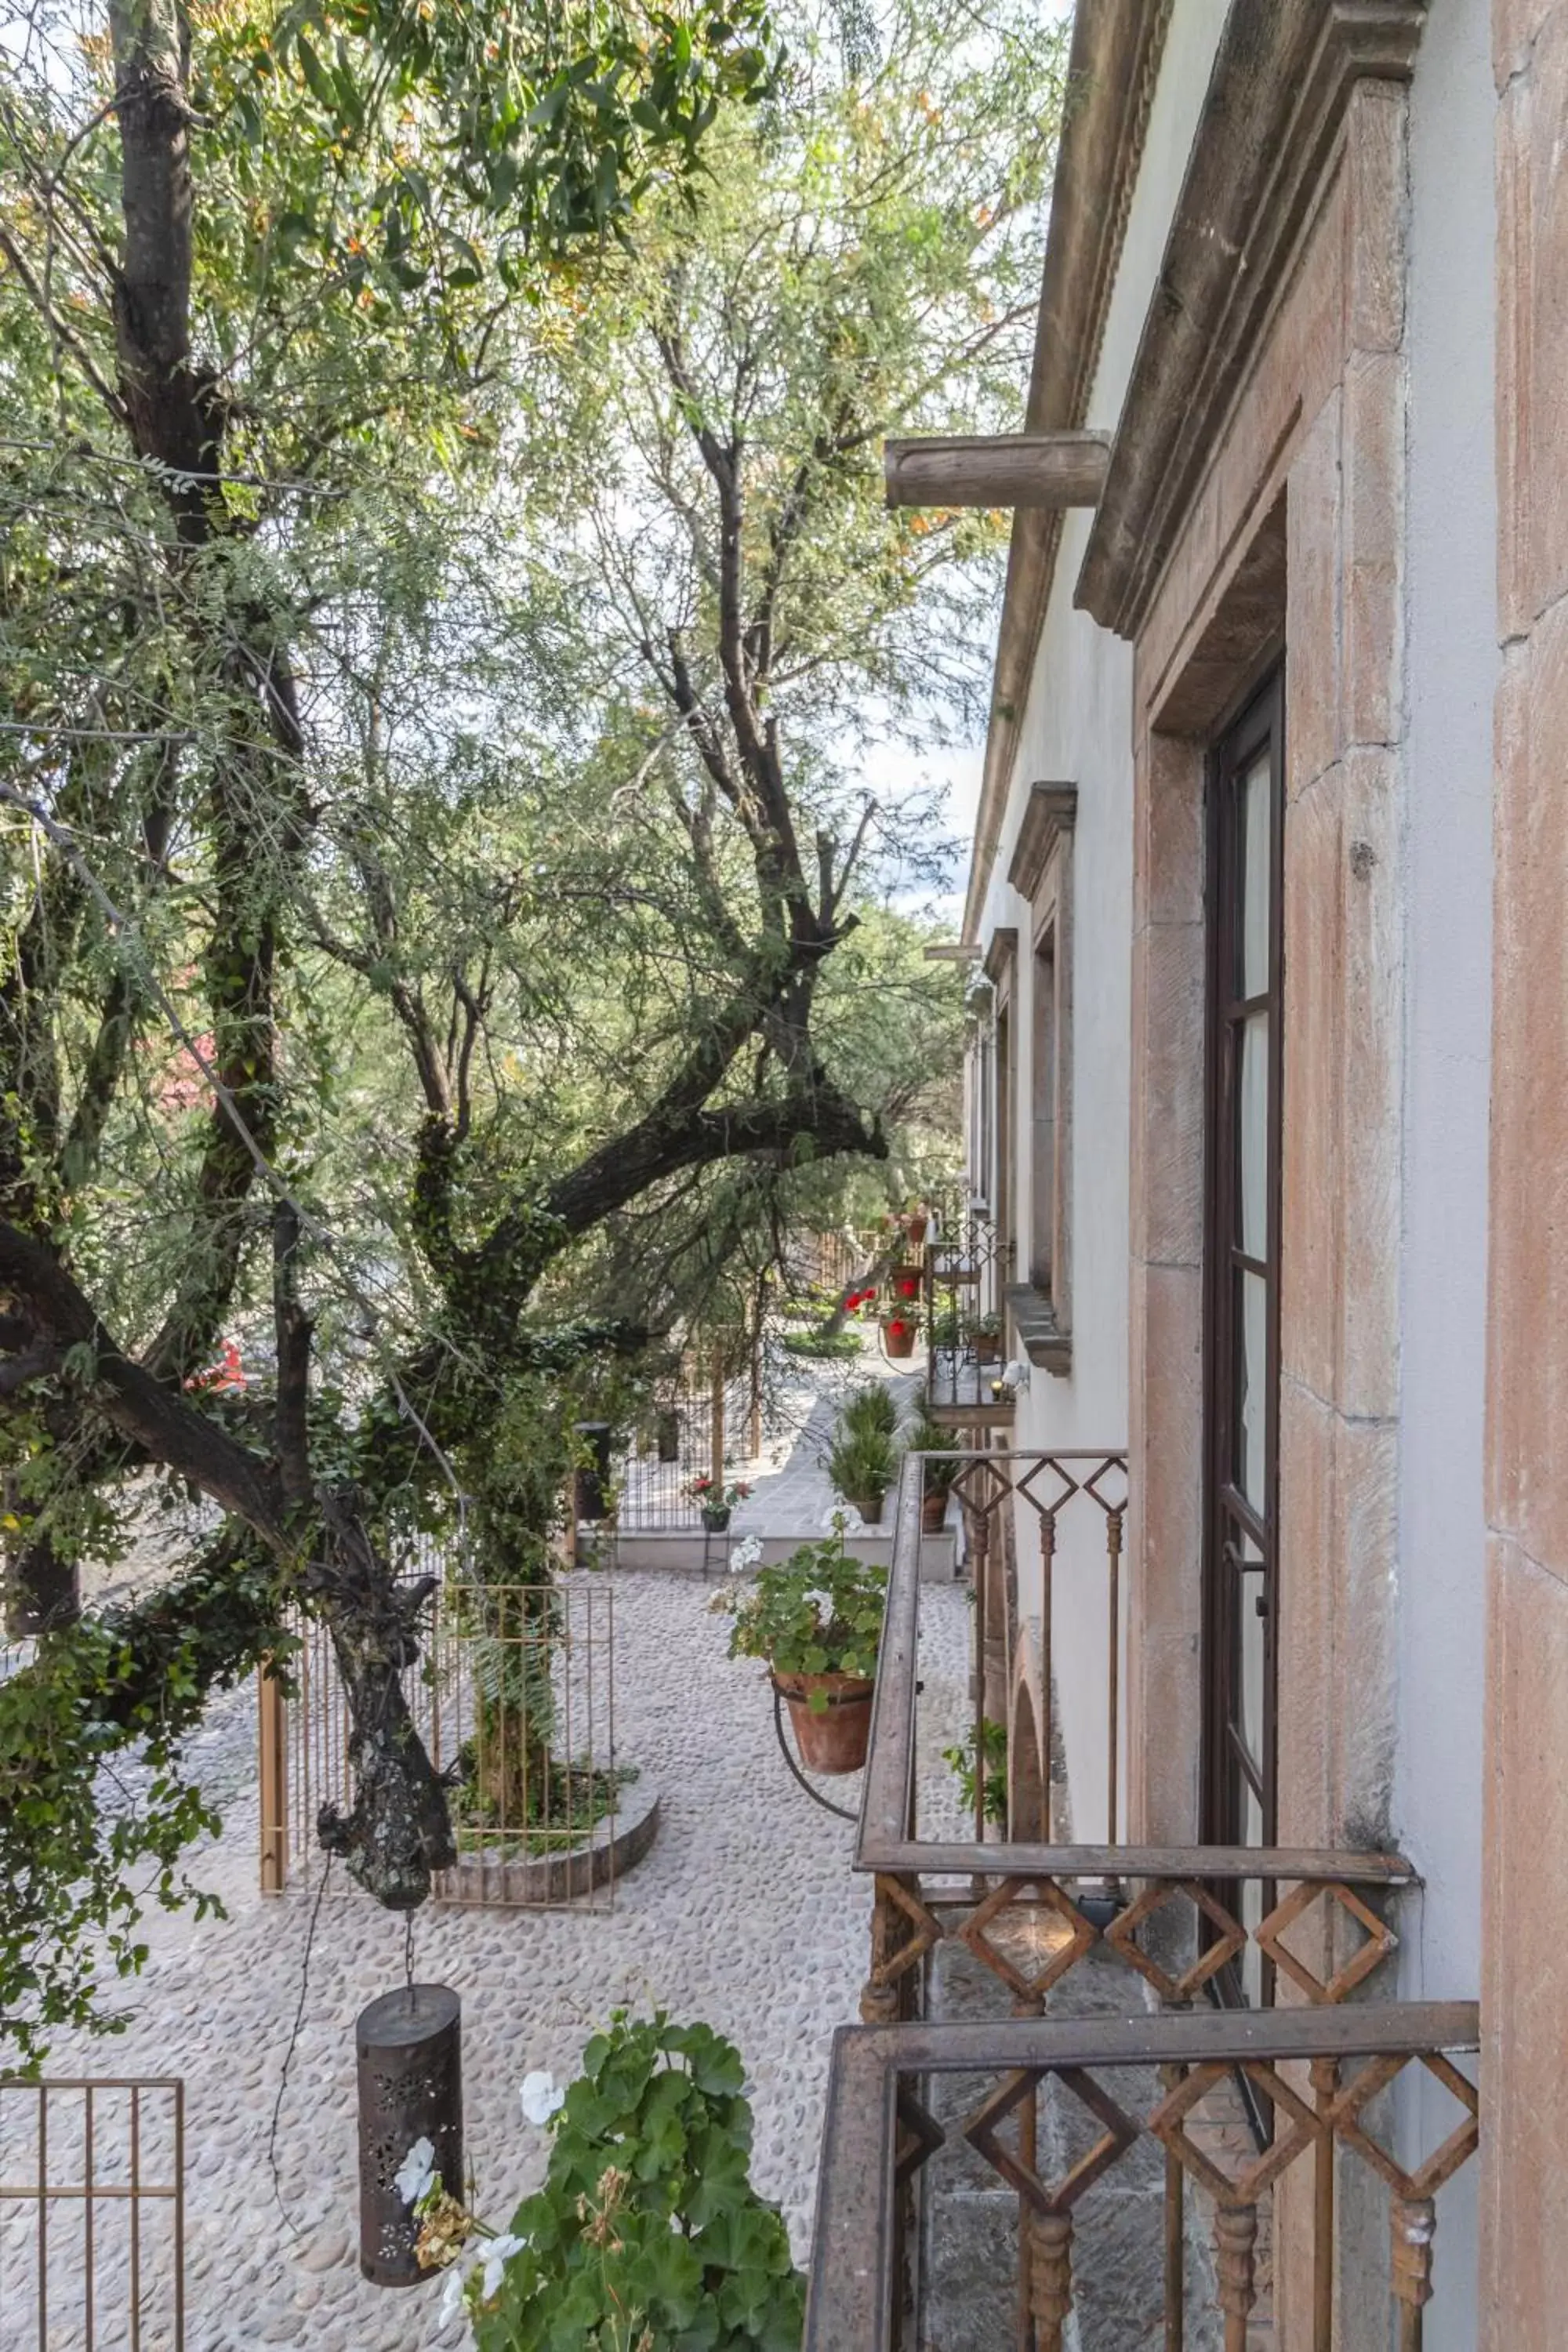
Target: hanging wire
288, 2053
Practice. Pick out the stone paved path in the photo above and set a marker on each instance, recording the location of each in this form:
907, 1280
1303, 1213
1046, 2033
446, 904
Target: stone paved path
744, 1914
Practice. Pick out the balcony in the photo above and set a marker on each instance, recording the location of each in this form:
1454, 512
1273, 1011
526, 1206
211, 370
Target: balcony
1153, 2093
965, 1326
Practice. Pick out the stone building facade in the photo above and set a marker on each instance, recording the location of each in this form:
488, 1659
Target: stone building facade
1269, 892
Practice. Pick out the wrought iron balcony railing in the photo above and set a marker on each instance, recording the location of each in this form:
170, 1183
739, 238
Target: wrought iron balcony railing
966, 1905
1137, 2084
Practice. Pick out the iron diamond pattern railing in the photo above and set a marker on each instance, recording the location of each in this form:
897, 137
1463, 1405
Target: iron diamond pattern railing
1185, 1926
1133, 2084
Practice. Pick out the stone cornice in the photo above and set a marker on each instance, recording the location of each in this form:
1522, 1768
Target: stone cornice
1050, 811
1282, 83
1111, 72
1001, 953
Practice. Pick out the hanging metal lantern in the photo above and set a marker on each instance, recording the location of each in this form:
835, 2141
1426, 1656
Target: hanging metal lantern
409, 2046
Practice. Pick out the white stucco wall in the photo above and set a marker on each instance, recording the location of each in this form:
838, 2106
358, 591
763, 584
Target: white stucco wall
1078, 729
1452, 670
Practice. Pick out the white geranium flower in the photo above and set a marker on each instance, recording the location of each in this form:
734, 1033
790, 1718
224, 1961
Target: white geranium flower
837, 1519
747, 1553
453, 2296
494, 2255
539, 2097
417, 2171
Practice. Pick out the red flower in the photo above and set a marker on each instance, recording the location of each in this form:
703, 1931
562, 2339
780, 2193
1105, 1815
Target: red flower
908, 1288
897, 1328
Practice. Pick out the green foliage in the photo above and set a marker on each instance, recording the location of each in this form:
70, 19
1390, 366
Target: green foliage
557, 113
817, 1612
831, 1347
77, 1870
862, 1463
870, 1411
648, 2230
960, 1760
924, 1435
406, 792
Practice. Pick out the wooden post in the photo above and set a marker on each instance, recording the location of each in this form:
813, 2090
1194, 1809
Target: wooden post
998, 470
1325, 2078
717, 1464
273, 1744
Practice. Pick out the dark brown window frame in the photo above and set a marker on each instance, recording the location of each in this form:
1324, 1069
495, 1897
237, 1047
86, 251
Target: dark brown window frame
1260, 723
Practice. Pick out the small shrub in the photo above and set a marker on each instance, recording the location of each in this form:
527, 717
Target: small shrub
832, 1347
870, 1407
647, 2229
960, 1760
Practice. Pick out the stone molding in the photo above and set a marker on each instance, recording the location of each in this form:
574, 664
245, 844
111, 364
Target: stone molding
1112, 69
1040, 1334
1282, 84
1049, 813
1002, 953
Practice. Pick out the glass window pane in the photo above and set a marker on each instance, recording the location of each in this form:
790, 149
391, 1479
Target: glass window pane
1256, 868
1251, 1387
1252, 1136
1251, 1639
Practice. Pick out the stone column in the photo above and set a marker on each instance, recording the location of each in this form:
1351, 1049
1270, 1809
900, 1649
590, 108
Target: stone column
1524, 2144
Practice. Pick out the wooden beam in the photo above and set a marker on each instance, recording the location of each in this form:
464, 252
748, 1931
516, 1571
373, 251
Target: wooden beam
1000, 470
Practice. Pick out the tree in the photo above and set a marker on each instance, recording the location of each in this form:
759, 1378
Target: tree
332, 785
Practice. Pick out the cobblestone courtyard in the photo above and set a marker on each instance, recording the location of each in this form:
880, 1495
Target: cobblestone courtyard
744, 1914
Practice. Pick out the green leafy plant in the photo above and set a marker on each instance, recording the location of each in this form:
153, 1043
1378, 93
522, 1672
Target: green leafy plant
947, 1329
985, 1327
870, 1408
648, 2232
960, 1760
862, 1463
925, 1435
817, 1612
831, 1347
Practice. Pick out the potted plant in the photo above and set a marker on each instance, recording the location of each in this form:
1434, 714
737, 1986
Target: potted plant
869, 1407
928, 1436
716, 1498
915, 1224
985, 1333
817, 1619
898, 1335
862, 1465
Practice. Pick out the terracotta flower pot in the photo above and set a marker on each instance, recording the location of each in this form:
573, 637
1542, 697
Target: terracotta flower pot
934, 1511
898, 1336
915, 1232
715, 1518
987, 1347
836, 1739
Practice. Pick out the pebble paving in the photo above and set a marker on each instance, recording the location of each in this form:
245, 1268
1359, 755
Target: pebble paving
744, 1914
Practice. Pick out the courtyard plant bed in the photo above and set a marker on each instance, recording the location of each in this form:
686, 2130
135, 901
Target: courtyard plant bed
817, 1620
829, 1346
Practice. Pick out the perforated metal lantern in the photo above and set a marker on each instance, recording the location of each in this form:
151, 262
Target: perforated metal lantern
410, 2048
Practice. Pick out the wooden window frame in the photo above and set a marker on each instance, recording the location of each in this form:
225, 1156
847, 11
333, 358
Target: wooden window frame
1260, 722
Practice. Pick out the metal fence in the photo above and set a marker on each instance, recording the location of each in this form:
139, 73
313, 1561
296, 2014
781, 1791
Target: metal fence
92, 2215
699, 1428
514, 1697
